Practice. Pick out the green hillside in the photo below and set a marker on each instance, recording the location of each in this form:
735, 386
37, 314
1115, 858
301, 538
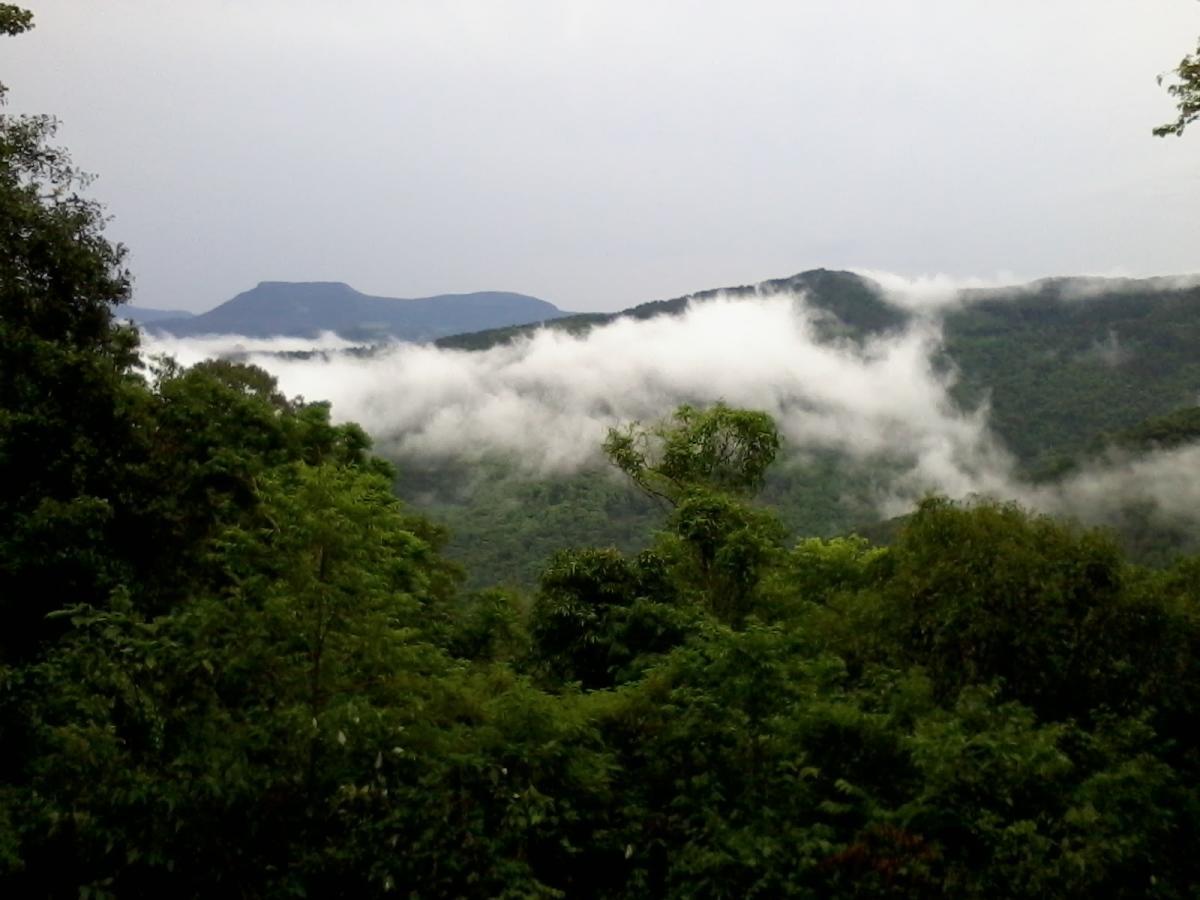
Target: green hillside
1060, 360
1058, 371
1061, 363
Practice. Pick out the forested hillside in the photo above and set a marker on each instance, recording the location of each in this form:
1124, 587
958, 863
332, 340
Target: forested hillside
1073, 357
1061, 365
1068, 361
235, 664
855, 306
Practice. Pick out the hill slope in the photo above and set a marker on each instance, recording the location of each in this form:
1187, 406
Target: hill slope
1064, 360
1062, 363
1059, 360
855, 305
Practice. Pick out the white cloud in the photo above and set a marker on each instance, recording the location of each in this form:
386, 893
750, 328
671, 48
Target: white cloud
935, 292
1165, 480
549, 399
191, 350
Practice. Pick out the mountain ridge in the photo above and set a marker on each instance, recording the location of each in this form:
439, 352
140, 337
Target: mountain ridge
309, 308
854, 300
857, 301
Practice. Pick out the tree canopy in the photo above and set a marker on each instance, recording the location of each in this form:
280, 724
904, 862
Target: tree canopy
234, 664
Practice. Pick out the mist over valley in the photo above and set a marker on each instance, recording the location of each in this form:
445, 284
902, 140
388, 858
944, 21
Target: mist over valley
885, 390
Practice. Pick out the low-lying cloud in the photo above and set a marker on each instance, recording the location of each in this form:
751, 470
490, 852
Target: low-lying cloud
934, 293
547, 400
1163, 480
938, 292
190, 350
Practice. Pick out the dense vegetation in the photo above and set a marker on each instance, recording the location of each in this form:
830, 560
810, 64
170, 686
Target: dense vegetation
233, 664
1060, 372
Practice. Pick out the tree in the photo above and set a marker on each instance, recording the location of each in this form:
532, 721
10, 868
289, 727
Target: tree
719, 448
1186, 91
67, 387
597, 615
216, 743
987, 592
705, 464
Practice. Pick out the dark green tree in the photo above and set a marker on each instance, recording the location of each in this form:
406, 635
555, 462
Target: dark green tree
68, 396
599, 618
988, 593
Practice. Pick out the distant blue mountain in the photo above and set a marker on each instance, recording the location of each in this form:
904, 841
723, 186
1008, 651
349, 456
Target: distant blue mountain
142, 315
305, 309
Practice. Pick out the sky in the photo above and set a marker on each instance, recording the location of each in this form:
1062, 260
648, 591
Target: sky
605, 153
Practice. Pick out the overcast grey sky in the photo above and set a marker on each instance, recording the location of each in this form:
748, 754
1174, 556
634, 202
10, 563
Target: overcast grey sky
603, 153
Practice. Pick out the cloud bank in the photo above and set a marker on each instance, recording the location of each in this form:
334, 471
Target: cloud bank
1163, 480
938, 292
190, 350
548, 399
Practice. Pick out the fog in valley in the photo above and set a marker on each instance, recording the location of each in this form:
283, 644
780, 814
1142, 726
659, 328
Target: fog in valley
546, 401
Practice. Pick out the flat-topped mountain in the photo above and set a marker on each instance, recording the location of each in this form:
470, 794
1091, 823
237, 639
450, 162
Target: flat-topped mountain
305, 309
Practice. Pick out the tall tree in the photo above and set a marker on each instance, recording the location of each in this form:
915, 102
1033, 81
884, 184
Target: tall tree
66, 413
720, 448
705, 463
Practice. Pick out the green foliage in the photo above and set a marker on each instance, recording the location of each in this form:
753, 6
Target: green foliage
489, 626
722, 550
1175, 429
991, 778
818, 571
983, 708
233, 664
504, 524
1057, 370
67, 404
703, 463
985, 593
1186, 90
597, 616
719, 448
14, 20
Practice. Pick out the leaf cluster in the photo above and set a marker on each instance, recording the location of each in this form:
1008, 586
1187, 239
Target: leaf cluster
1185, 88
